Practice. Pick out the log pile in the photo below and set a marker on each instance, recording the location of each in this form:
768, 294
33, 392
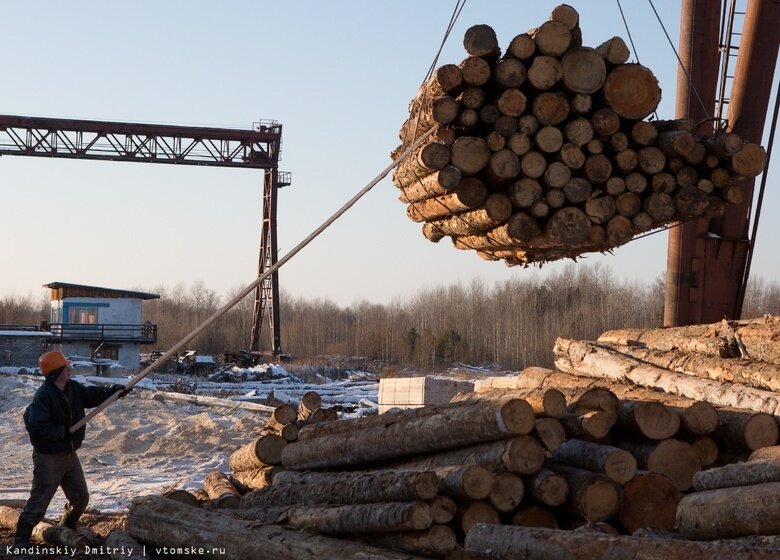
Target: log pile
526, 466
543, 153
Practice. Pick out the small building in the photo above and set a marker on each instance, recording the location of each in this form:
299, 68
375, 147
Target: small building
100, 322
21, 345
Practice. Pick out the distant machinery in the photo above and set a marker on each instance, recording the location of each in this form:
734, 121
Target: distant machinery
258, 148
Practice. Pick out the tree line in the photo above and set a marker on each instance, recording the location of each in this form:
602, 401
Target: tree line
511, 323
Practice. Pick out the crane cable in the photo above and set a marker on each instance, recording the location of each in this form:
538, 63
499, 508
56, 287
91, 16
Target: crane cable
417, 142
759, 202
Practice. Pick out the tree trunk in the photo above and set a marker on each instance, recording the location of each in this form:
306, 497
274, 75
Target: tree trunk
496, 209
246, 481
549, 140
746, 473
128, 548
649, 501
592, 360
470, 155
436, 541
345, 519
164, 523
548, 402
441, 182
264, 451
510, 73
427, 159
589, 425
522, 46
548, 487
550, 108
545, 72
470, 194
728, 513
750, 161
653, 420
632, 91
221, 491
474, 513
674, 459
310, 401
480, 40
614, 51
707, 450
745, 429
503, 542
522, 455
592, 496
181, 496
511, 102
507, 492
617, 464
43, 532
584, 70
552, 38
550, 433
307, 488
443, 509
469, 482
569, 226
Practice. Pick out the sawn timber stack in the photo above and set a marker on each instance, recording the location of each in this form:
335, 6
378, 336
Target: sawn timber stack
543, 153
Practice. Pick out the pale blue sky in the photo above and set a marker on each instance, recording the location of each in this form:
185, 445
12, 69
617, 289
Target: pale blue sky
338, 75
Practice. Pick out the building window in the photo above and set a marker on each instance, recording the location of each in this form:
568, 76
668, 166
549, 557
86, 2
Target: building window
105, 351
83, 315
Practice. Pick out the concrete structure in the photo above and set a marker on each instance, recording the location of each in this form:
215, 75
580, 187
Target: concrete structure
95, 322
414, 392
20, 346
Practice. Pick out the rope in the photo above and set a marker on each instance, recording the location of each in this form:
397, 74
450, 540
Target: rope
246, 291
752, 243
684, 69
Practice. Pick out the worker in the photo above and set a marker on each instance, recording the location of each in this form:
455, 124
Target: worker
57, 405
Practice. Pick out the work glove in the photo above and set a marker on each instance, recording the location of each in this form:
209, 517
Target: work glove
122, 390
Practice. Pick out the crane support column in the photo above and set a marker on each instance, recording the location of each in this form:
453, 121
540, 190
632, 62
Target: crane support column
726, 252
698, 48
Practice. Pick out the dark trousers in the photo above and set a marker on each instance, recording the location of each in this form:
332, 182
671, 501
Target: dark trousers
51, 471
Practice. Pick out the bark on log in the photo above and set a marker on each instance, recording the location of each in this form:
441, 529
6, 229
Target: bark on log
617, 464
441, 182
759, 337
43, 532
632, 91
595, 361
262, 452
246, 481
451, 427
674, 459
427, 159
221, 491
125, 547
181, 496
480, 40
548, 487
590, 425
649, 501
772, 452
522, 455
470, 194
496, 209
693, 340
282, 415
390, 517
535, 516
308, 488
728, 513
746, 473
504, 542
164, 523
592, 496
436, 541
310, 401
507, 492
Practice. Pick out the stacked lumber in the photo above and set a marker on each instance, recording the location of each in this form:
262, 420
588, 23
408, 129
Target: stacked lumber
543, 153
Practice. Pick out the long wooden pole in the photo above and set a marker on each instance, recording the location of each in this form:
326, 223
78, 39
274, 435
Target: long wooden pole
246, 291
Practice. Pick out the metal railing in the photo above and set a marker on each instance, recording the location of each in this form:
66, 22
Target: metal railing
143, 334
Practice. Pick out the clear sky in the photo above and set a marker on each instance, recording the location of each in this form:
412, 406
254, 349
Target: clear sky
338, 75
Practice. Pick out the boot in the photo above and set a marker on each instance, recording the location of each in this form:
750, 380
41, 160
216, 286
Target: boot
70, 517
23, 534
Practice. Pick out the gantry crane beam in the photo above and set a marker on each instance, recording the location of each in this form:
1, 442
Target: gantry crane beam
256, 148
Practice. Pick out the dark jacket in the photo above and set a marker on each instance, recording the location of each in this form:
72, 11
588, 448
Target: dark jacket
52, 412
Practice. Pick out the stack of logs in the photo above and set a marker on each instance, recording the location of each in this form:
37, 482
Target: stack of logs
586, 460
543, 154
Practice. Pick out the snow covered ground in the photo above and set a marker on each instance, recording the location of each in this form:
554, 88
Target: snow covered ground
141, 445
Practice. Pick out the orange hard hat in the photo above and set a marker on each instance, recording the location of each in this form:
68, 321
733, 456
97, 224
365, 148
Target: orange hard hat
52, 361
